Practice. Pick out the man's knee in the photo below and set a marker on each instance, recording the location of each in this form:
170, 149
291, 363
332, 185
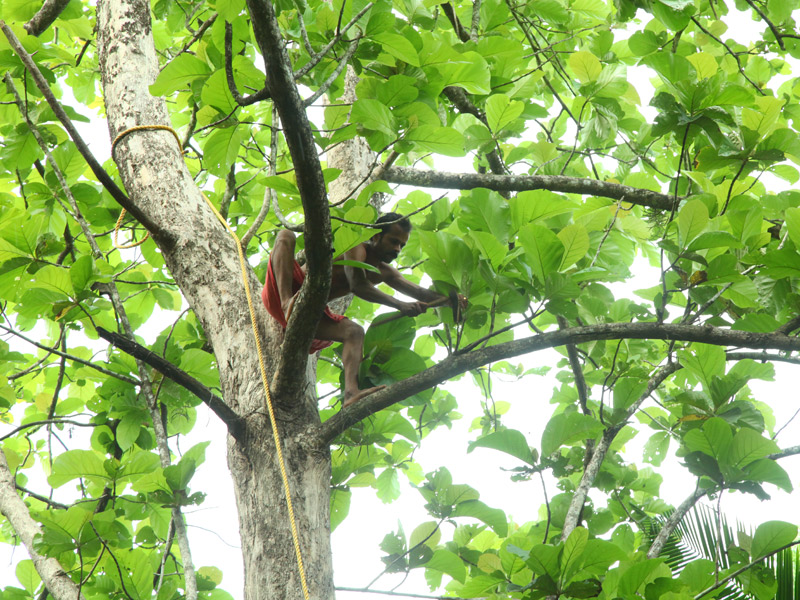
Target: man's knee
285, 239
353, 331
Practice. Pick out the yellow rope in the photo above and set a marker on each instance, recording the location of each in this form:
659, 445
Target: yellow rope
275, 435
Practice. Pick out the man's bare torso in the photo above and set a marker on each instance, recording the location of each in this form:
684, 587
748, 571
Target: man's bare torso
340, 284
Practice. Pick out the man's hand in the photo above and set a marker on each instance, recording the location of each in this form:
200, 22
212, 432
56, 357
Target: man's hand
462, 302
412, 309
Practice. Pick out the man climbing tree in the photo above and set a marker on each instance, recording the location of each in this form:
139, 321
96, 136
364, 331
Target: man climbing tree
285, 276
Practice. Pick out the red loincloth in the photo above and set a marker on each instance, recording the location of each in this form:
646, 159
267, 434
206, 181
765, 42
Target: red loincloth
272, 302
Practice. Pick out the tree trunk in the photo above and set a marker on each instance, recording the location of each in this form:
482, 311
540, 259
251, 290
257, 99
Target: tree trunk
202, 258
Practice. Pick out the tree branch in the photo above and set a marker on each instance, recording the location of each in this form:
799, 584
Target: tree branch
770, 24
763, 356
269, 193
49, 12
400, 594
673, 520
791, 451
315, 58
55, 579
50, 421
519, 183
262, 94
460, 363
598, 455
313, 295
323, 88
119, 376
589, 475
232, 421
738, 572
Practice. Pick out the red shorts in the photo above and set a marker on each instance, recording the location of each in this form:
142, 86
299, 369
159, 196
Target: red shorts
272, 302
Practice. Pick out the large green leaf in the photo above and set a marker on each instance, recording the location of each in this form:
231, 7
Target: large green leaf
509, 441
448, 562
771, 536
544, 252
77, 463
566, 428
493, 517
179, 73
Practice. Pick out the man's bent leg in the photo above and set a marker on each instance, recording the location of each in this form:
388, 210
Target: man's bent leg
282, 264
352, 337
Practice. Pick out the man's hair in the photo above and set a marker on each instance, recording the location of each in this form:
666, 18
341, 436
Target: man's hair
393, 218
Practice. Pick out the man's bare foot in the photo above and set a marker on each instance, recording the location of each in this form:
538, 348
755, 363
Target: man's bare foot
352, 399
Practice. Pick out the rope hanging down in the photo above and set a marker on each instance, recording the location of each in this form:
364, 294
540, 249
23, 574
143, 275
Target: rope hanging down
262, 369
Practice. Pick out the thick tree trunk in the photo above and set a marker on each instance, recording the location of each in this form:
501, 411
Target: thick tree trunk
271, 569
202, 258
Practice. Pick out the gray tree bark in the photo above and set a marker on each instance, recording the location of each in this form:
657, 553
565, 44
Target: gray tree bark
203, 260
55, 579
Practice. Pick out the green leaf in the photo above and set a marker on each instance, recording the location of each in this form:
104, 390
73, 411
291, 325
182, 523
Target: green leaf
399, 47
200, 365
749, 445
643, 43
490, 247
493, 517
770, 536
713, 439
543, 560
128, 429
356, 264
509, 441
639, 574
628, 390
585, 65
575, 239
656, 447
543, 250
713, 239
373, 115
81, 273
706, 362
482, 211
77, 463
222, 147
340, 506
565, 428
178, 74
449, 563
768, 471
469, 71
501, 111
216, 93
793, 225
599, 555
135, 465
572, 553
692, 220
388, 486
27, 575
54, 279
427, 533
440, 140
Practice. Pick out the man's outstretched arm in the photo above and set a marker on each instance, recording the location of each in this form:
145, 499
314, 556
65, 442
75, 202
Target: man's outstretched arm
395, 280
366, 290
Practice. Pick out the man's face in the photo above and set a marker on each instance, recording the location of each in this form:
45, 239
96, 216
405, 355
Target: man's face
389, 244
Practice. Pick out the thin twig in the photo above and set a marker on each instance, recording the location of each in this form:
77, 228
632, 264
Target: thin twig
86, 363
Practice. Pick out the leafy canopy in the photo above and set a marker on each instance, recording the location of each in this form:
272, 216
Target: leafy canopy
545, 88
